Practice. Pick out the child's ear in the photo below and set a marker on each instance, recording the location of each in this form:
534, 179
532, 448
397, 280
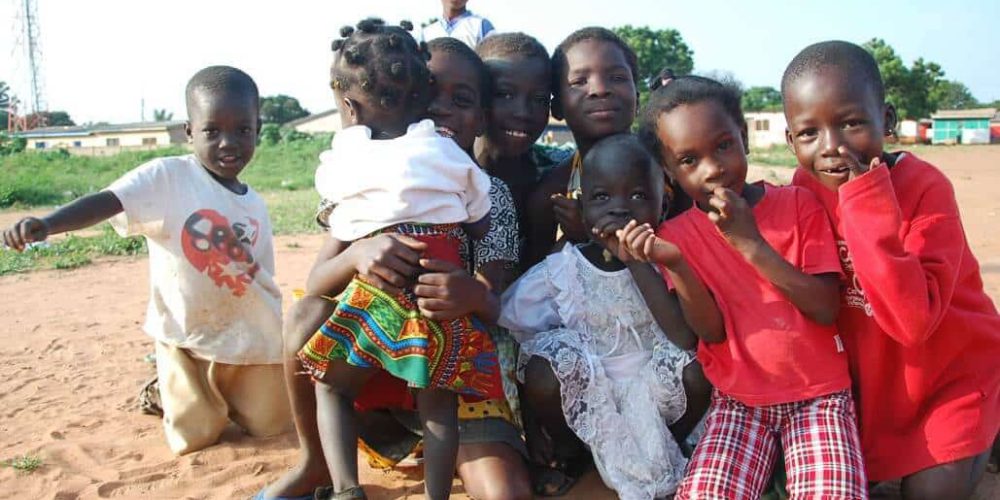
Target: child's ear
188, 132
891, 119
351, 110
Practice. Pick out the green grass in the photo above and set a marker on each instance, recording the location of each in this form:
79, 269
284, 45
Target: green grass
282, 173
70, 252
778, 156
24, 463
52, 178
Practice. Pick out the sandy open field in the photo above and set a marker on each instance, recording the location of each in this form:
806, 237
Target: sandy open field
71, 364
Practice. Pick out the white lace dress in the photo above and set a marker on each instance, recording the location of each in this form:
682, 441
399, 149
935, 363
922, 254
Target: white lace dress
620, 377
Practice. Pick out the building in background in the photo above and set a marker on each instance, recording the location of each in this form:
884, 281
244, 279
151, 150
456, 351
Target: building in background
962, 126
319, 123
104, 140
766, 128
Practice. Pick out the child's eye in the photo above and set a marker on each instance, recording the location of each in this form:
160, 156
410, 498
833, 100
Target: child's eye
599, 196
806, 133
687, 160
576, 82
639, 195
725, 145
849, 124
542, 98
246, 130
210, 132
618, 78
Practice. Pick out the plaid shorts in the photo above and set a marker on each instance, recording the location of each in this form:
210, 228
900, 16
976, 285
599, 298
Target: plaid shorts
736, 454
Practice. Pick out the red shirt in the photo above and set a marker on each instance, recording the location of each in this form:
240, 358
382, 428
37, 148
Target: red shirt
772, 353
922, 335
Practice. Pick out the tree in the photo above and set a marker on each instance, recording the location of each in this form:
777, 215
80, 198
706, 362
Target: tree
655, 50
761, 99
161, 115
908, 89
280, 109
948, 94
51, 119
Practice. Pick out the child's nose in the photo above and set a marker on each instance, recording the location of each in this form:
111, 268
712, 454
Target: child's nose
598, 87
831, 140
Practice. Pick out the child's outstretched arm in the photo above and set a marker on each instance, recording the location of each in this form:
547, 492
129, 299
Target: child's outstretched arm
908, 279
81, 213
697, 304
816, 296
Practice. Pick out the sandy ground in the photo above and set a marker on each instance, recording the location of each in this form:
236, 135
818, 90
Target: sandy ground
71, 360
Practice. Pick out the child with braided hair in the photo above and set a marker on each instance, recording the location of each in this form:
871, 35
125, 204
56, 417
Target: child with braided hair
388, 172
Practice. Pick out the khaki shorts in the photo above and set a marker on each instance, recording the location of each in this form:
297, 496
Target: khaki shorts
201, 397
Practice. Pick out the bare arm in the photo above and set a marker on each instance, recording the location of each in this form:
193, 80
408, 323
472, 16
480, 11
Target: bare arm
816, 296
81, 213
663, 304
388, 261
699, 309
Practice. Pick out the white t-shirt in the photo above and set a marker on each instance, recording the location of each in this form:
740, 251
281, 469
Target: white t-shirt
420, 177
211, 261
467, 27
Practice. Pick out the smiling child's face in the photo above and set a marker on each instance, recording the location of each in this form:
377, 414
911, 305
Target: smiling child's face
597, 93
223, 129
520, 106
828, 108
703, 148
456, 102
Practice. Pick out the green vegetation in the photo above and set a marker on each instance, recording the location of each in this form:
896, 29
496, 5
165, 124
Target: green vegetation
778, 155
71, 252
281, 171
24, 463
55, 177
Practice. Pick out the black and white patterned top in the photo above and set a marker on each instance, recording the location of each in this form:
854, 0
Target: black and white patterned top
501, 242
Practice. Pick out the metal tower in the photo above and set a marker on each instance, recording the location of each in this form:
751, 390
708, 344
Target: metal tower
27, 46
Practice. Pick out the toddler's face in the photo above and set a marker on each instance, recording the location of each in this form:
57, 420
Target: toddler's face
223, 131
615, 192
827, 109
704, 149
456, 101
520, 104
597, 95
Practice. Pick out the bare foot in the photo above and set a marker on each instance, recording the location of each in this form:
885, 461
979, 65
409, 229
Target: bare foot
300, 480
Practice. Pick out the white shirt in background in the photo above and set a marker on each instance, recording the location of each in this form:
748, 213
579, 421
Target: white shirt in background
467, 27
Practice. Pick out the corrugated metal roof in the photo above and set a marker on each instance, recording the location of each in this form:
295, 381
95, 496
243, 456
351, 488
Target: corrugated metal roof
970, 114
82, 131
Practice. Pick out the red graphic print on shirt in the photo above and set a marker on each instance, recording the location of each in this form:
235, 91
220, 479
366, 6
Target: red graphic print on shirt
854, 295
221, 250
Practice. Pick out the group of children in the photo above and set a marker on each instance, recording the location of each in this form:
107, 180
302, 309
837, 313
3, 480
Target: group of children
640, 306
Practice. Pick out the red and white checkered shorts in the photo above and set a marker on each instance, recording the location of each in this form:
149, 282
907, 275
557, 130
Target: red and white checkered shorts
736, 454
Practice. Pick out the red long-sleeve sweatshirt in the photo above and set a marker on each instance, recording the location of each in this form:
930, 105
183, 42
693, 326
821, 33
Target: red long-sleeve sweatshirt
922, 336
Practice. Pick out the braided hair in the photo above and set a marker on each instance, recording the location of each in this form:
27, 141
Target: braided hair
384, 62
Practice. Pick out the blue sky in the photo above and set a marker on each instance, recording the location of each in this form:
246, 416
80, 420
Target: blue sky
102, 58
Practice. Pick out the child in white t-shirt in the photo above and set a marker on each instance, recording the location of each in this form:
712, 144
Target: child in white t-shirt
214, 309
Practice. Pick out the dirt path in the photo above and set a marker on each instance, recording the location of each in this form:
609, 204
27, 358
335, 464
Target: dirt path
71, 360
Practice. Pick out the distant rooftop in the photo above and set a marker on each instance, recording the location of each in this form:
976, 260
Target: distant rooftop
306, 119
970, 114
82, 131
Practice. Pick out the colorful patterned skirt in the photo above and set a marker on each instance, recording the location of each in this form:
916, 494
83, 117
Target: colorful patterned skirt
373, 329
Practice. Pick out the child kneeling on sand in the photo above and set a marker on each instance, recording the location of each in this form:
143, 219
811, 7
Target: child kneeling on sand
214, 309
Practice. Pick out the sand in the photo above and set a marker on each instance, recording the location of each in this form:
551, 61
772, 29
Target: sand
71, 360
